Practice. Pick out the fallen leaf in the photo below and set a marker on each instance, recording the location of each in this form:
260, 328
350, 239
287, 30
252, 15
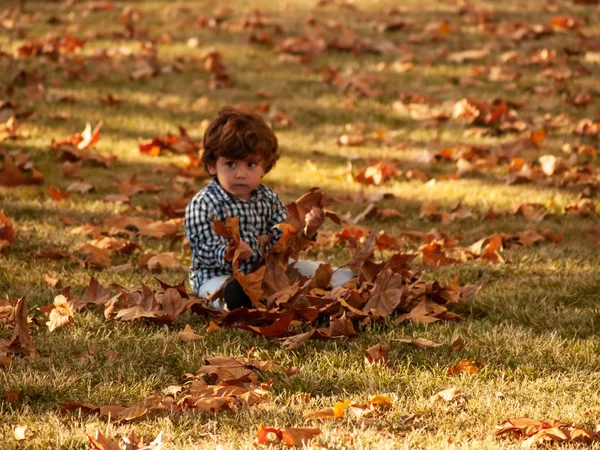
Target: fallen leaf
419, 342
188, 334
12, 397
465, 366
52, 281
377, 354
61, 313
446, 395
213, 328
20, 432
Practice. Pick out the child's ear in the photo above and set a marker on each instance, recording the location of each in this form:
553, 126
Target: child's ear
211, 169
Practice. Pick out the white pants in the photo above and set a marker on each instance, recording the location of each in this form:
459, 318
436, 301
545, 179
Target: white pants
306, 268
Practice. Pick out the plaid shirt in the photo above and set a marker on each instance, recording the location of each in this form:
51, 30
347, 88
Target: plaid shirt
257, 217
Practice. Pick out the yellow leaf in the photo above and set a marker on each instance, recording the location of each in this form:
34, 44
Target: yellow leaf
339, 408
381, 401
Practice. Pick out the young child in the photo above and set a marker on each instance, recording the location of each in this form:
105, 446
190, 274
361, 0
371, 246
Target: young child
239, 149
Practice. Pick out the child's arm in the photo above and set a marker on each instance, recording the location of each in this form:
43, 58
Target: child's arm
207, 247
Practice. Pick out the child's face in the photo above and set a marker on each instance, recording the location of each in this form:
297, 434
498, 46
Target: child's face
239, 177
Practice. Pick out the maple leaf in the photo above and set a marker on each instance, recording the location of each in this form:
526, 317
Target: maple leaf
362, 253
135, 312
7, 313
424, 312
95, 256
387, 295
292, 437
548, 430
188, 335
229, 230
61, 313
132, 187
7, 232
95, 294
157, 262
11, 174
376, 174
276, 329
173, 305
252, 285
465, 366
296, 341
213, 328
447, 395
88, 136
21, 341
377, 354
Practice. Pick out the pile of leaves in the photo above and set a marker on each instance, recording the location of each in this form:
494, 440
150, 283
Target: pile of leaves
546, 431
283, 298
221, 383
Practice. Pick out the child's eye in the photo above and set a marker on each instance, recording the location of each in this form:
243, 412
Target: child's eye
230, 164
252, 165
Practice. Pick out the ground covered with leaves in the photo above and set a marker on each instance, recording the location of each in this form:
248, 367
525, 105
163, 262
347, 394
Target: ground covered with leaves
453, 147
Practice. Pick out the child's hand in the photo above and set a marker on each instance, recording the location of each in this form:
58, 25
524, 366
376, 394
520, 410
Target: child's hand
244, 251
313, 220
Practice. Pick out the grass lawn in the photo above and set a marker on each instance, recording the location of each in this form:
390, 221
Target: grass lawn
396, 75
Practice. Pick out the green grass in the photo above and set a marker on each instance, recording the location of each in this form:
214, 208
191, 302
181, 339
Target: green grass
532, 323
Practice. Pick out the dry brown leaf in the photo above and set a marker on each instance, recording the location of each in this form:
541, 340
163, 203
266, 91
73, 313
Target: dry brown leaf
548, 430
188, 334
446, 395
377, 354
213, 328
96, 257
21, 341
419, 342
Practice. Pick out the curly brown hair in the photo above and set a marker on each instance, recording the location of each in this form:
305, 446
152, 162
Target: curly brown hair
237, 135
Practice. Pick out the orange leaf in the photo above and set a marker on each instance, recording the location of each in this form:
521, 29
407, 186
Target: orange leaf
465, 366
58, 195
537, 137
213, 328
299, 437
7, 233
252, 284
262, 435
